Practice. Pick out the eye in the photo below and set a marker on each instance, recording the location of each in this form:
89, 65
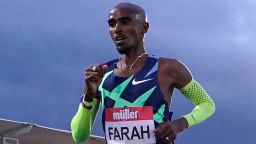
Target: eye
111, 23
125, 21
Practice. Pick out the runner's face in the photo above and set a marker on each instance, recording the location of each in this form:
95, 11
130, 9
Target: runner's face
124, 29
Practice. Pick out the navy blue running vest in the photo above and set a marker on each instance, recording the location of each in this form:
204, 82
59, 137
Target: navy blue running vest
140, 89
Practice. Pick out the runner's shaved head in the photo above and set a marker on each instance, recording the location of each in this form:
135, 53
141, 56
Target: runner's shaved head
127, 26
131, 8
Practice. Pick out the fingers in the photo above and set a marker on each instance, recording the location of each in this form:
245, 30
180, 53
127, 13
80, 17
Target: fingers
92, 76
95, 73
162, 130
105, 68
165, 132
98, 68
102, 69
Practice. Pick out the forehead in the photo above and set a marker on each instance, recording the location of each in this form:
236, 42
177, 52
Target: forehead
117, 13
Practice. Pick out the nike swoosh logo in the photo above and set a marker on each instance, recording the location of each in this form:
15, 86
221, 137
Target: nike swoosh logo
134, 82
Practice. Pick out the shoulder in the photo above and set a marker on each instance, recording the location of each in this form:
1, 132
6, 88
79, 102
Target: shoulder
168, 62
172, 66
175, 70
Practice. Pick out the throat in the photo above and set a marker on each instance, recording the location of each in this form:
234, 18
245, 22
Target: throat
132, 69
136, 62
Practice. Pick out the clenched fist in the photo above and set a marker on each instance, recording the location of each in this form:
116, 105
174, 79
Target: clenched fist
93, 78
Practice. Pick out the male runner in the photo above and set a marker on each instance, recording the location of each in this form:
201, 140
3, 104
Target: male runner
138, 80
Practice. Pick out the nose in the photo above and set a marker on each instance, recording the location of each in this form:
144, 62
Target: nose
118, 28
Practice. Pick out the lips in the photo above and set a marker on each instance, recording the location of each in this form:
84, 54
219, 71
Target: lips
119, 38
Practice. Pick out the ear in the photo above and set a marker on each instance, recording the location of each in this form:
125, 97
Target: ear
145, 27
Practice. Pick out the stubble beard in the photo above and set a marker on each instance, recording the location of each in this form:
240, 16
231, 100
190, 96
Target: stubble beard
123, 49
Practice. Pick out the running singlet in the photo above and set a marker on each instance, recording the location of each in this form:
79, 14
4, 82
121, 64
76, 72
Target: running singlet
140, 89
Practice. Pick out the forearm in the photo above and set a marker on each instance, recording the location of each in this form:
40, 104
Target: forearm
82, 122
204, 105
94, 111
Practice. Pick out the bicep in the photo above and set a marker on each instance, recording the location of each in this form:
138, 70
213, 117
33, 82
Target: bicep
182, 75
176, 72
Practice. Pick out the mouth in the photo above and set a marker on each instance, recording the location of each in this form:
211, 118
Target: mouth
119, 39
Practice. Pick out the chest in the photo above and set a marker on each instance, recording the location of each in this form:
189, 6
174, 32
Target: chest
135, 90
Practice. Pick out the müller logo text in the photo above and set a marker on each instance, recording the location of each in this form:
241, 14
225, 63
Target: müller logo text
125, 114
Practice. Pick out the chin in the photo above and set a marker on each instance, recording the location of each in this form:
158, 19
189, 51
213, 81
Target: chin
123, 49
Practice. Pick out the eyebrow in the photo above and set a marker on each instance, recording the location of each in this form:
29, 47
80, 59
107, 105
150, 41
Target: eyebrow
125, 18
121, 18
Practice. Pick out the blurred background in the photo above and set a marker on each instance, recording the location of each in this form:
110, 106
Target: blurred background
45, 46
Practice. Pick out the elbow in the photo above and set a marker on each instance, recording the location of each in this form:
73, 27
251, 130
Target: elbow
213, 108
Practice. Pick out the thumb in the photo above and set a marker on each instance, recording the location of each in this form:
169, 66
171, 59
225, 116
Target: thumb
105, 68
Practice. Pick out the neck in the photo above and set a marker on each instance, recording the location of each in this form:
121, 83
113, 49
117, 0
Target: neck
134, 52
130, 61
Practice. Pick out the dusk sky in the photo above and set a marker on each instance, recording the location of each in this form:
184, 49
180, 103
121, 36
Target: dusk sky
45, 45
